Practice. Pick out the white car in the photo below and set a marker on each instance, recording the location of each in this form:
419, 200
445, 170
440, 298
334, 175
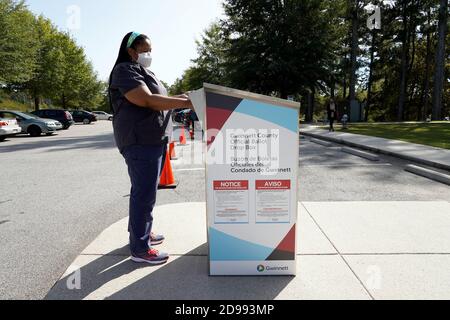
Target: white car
8, 128
31, 124
101, 115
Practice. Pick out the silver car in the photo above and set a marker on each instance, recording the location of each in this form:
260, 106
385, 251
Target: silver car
8, 128
101, 115
31, 124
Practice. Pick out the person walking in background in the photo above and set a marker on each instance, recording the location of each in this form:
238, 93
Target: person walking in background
332, 114
142, 112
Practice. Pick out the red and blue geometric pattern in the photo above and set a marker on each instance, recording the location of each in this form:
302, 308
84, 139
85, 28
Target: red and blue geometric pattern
225, 247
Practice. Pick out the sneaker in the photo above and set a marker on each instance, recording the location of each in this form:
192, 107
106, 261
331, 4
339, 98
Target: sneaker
155, 239
152, 256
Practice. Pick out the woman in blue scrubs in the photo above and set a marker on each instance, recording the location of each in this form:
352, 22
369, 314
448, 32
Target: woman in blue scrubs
142, 111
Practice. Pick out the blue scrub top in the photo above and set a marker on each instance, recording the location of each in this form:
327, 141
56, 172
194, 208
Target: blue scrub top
133, 124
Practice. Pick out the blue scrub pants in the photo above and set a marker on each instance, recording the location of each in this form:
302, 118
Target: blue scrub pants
145, 164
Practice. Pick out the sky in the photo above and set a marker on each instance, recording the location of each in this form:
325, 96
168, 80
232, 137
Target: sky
100, 25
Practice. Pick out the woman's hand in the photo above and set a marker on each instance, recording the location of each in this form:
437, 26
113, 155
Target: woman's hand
182, 96
186, 101
185, 96
142, 97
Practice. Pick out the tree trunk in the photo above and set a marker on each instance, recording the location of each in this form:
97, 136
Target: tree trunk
37, 103
404, 64
37, 100
412, 90
413, 52
384, 97
309, 114
344, 91
369, 86
411, 65
333, 90
354, 51
423, 105
440, 62
313, 98
308, 107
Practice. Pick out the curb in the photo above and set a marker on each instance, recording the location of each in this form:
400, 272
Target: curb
361, 154
430, 174
376, 150
321, 142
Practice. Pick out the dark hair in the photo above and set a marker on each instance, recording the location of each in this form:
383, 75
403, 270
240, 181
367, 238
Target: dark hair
124, 56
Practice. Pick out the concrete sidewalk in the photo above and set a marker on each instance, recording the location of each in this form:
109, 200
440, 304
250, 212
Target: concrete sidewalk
426, 155
347, 250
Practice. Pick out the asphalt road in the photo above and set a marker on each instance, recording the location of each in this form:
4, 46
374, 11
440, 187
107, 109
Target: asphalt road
58, 193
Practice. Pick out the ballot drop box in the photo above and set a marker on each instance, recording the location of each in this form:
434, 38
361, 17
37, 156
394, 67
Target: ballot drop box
252, 156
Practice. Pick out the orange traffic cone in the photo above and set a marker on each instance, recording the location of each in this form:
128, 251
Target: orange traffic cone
182, 137
167, 180
173, 155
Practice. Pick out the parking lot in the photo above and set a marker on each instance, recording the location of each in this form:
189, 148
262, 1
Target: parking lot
58, 193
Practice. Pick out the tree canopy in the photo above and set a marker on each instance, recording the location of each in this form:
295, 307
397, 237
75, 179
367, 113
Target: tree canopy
320, 49
44, 62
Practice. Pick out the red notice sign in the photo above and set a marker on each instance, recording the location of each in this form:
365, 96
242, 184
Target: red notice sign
273, 184
231, 185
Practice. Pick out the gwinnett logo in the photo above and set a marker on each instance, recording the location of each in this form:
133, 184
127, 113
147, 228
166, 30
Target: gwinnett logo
262, 268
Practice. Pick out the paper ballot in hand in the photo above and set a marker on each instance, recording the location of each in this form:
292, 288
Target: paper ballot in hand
198, 99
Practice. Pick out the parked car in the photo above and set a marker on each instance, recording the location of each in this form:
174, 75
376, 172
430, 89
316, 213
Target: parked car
191, 115
62, 116
81, 116
8, 128
101, 115
31, 124
185, 116
178, 116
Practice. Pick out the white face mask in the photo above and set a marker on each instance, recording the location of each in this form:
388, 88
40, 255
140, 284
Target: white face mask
145, 59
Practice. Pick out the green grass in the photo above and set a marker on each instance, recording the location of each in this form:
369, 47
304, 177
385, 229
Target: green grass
8, 104
436, 134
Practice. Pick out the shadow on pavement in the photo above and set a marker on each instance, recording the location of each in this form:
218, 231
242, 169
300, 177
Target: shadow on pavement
93, 275
104, 141
184, 277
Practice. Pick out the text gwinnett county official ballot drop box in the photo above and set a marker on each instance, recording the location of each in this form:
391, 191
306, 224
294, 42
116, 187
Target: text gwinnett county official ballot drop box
252, 158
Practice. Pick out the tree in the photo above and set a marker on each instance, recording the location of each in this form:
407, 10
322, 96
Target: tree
78, 85
402, 64
209, 66
424, 99
92, 91
404, 61
440, 61
18, 45
49, 62
38, 59
267, 52
281, 47
355, 7
313, 49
